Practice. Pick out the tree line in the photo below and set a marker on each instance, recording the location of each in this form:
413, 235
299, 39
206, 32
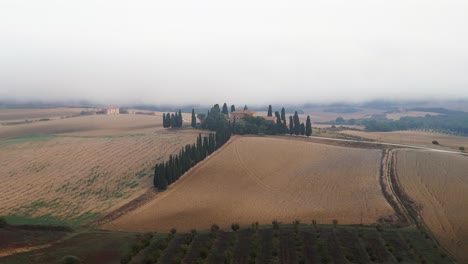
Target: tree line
216, 119
170, 171
259, 125
453, 123
165, 173
173, 120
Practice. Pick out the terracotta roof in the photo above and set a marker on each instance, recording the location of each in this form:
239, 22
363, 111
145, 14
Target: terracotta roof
243, 112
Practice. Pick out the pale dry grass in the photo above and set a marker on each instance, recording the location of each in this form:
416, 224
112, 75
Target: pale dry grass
439, 183
319, 115
86, 126
262, 179
397, 116
418, 138
23, 114
93, 165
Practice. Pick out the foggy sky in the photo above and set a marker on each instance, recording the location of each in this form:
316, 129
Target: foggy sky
235, 51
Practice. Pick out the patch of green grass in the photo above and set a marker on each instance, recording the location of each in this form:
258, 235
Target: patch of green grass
28, 210
132, 184
141, 174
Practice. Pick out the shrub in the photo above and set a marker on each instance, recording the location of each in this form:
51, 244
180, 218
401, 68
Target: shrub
173, 231
379, 228
228, 256
335, 222
435, 142
275, 224
461, 148
176, 260
184, 248
3, 222
70, 260
163, 244
314, 223
235, 227
203, 253
214, 228
126, 258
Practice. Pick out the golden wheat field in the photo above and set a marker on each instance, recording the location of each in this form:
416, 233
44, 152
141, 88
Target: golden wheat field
32, 114
262, 179
438, 182
87, 126
417, 138
82, 166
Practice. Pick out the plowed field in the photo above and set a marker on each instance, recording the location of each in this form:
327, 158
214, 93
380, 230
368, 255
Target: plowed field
78, 168
262, 179
438, 183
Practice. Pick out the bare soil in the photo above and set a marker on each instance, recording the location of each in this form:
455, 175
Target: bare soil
261, 179
438, 184
82, 167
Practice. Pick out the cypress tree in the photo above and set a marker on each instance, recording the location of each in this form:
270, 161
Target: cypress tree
308, 128
225, 109
283, 116
177, 167
168, 172
291, 125
246, 108
211, 143
173, 120
168, 120
270, 111
297, 124
173, 169
199, 148
159, 180
205, 147
180, 121
215, 109
278, 118
233, 108
164, 120
194, 119
302, 129
279, 125
156, 175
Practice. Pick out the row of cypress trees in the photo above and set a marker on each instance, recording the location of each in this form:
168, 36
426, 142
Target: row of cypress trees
173, 120
170, 171
295, 126
298, 128
215, 117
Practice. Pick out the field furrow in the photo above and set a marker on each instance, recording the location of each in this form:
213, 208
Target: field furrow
261, 179
438, 183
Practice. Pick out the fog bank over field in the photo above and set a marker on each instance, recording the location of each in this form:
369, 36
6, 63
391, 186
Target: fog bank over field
182, 52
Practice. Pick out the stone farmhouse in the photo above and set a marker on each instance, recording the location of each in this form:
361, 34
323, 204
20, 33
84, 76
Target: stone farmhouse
110, 111
239, 115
